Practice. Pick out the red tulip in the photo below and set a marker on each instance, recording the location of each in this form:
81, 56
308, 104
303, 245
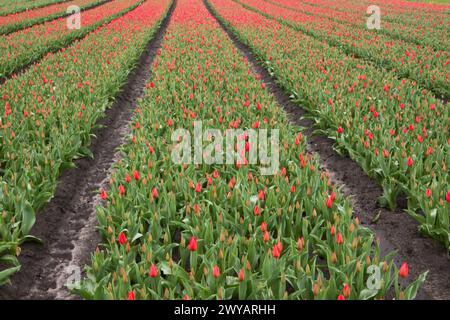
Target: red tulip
341, 297
339, 238
215, 174
428, 193
261, 195
154, 193
131, 296
329, 203
263, 227
186, 297
241, 275
292, 189
403, 272
340, 130
193, 244
276, 251
104, 195
198, 187
121, 190
153, 271
256, 211
447, 197
127, 178
122, 238
410, 162
346, 290
136, 175
216, 272
266, 236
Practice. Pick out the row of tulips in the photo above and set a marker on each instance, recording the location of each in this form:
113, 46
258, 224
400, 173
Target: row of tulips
21, 48
428, 67
396, 132
215, 231
396, 11
16, 6
22, 20
50, 112
422, 34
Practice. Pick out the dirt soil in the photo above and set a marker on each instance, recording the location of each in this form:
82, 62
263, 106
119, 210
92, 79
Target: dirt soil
68, 224
395, 230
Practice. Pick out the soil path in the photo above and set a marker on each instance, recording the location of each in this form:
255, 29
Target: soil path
395, 230
68, 224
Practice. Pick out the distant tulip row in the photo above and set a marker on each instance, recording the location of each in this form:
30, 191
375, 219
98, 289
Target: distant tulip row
49, 114
397, 133
416, 25
428, 67
225, 231
19, 21
19, 49
10, 7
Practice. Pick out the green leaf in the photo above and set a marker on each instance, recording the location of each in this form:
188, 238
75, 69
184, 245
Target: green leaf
28, 218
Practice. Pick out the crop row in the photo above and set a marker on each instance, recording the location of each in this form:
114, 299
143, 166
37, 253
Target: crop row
429, 68
222, 231
398, 134
13, 7
21, 48
50, 112
414, 13
423, 34
19, 21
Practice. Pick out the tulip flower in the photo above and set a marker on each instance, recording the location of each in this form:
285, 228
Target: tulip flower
193, 244
341, 297
447, 196
136, 175
241, 275
121, 190
122, 238
339, 238
216, 272
410, 162
346, 290
403, 272
131, 295
154, 193
104, 195
153, 271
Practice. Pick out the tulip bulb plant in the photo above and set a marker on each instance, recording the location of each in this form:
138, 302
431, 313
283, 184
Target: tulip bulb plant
220, 231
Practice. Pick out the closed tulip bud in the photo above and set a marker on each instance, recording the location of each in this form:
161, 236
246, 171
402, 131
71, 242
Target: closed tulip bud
339, 239
404, 270
216, 272
447, 196
341, 297
104, 195
300, 243
358, 266
154, 193
315, 289
153, 271
266, 236
122, 238
261, 195
333, 230
264, 227
256, 211
241, 275
346, 290
410, 162
333, 257
198, 187
193, 244
368, 260
329, 203
131, 296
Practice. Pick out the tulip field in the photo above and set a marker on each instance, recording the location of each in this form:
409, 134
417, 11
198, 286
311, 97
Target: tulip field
205, 228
